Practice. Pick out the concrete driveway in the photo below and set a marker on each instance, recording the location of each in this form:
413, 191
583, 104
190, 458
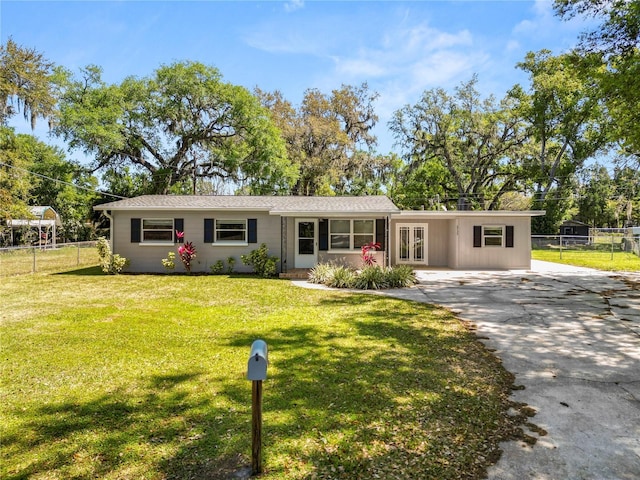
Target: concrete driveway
571, 337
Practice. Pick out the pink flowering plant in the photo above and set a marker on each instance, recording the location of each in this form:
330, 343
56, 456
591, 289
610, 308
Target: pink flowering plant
368, 250
186, 252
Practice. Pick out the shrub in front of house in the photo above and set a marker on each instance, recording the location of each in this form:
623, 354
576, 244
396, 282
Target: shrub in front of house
263, 264
217, 268
322, 273
401, 276
109, 262
369, 277
342, 277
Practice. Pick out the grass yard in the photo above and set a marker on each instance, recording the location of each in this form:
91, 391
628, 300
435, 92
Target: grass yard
598, 259
136, 376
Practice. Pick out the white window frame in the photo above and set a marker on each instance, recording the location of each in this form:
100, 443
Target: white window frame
486, 236
143, 230
352, 234
245, 232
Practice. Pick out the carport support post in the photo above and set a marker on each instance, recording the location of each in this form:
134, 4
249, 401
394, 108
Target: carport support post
256, 427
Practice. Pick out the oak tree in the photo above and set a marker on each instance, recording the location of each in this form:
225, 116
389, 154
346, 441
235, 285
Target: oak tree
330, 139
182, 124
478, 141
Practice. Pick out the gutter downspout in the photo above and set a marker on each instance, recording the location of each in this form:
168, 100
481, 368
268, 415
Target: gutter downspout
388, 240
107, 214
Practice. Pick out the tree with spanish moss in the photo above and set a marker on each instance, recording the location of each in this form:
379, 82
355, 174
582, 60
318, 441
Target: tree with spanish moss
471, 146
29, 83
182, 124
329, 137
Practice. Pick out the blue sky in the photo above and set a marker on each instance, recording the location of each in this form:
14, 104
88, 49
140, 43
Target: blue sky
400, 48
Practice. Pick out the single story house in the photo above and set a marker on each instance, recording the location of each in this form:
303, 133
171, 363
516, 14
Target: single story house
305, 231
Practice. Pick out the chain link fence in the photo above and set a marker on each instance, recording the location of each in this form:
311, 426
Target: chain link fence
50, 258
601, 241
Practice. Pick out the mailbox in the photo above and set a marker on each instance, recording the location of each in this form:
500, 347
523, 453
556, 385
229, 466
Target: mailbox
258, 361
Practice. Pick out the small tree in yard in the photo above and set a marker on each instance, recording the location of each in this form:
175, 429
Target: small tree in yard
367, 253
186, 252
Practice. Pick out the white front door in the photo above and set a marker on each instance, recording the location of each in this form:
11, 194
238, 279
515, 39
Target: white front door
411, 240
306, 255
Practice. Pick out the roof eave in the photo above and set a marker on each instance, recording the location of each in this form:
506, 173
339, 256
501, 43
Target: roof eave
331, 213
468, 213
155, 208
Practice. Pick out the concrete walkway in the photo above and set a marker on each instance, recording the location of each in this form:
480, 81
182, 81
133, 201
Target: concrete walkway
571, 337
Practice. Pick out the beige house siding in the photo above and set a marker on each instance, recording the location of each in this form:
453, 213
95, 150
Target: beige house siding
450, 239
148, 258
518, 257
438, 243
453, 248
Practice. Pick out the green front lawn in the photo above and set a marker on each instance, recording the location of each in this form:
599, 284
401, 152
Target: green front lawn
138, 376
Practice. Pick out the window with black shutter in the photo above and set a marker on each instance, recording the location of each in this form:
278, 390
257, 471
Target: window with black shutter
252, 230
135, 230
477, 236
509, 236
208, 230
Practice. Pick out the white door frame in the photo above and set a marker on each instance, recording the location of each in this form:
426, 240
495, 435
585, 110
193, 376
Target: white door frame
413, 254
306, 260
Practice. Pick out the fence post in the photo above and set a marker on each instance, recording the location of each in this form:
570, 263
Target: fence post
560, 247
612, 240
78, 260
33, 270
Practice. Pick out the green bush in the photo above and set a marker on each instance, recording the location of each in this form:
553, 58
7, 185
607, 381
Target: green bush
372, 277
262, 263
217, 268
343, 277
401, 276
322, 273
169, 263
110, 263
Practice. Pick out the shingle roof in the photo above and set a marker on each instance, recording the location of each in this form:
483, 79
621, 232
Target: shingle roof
281, 205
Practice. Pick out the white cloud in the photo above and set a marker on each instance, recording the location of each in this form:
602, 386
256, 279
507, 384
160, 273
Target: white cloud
413, 58
425, 38
292, 43
359, 67
293, 5
513, 45
441, 68
543, 20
